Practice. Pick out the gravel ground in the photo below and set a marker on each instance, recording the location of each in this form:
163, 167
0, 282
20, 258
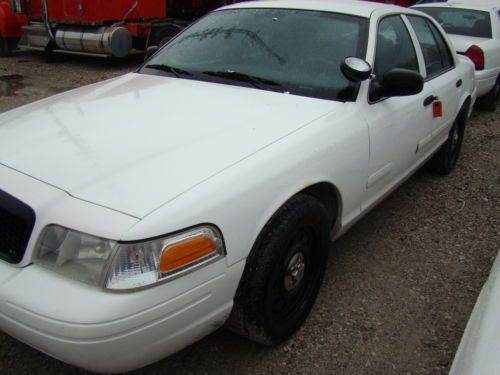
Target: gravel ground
400, 285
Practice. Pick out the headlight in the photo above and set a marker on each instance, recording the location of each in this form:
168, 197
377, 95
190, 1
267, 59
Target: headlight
73, 254
125, 266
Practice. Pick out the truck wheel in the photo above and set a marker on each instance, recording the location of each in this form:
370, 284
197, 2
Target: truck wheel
164, 34
4, 47
489, 101
283, 273
52, 57
445, 160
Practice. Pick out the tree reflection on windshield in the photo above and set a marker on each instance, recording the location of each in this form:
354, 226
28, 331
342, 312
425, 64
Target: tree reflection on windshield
299, 52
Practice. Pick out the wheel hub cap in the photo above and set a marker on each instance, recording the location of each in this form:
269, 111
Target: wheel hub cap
455, 139
294, 272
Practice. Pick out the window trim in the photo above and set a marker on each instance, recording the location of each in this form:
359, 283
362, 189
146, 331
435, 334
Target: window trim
436, 33
418, 51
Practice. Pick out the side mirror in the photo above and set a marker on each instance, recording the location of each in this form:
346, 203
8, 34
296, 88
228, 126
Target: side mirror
355, 69
150, 51
400, 82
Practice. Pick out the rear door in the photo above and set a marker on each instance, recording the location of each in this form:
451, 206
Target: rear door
441, 75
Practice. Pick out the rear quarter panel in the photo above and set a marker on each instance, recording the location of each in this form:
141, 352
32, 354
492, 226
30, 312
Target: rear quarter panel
466, 70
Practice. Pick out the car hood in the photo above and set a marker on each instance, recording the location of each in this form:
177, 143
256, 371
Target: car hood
138, 141
463, 43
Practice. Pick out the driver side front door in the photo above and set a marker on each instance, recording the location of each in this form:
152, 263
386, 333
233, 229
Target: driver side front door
399, 127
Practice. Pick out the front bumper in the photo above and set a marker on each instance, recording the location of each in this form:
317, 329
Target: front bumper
113, 332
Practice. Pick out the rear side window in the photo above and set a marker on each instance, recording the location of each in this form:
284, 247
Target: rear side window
437, 55
458, 21
446, 53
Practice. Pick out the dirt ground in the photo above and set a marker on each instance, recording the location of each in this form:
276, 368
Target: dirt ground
400, 285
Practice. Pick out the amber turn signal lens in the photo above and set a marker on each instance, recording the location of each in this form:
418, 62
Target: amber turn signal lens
186, 252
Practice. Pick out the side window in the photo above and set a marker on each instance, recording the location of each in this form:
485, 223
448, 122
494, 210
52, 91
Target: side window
446, 55
437, 56
394, 49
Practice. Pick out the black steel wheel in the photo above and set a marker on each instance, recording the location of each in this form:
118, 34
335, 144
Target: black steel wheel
283, 273
445, 160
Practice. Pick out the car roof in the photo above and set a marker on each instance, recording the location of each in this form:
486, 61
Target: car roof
480, 5
352, 7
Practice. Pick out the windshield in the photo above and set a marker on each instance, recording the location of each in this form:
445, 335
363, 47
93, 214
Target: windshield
290, 51
466, 22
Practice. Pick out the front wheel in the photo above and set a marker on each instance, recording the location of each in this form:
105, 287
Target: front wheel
7, 46
283, 273
163, 35
4, 48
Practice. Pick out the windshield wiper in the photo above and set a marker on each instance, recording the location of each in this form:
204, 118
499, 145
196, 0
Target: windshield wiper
170, 69
242, 77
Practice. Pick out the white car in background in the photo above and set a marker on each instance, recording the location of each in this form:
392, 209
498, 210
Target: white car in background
474, 29
478, 353
139, 214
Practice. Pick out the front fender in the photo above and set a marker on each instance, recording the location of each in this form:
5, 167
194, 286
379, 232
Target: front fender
240, 200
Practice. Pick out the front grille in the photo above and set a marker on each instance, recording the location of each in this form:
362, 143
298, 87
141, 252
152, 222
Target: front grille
16, 224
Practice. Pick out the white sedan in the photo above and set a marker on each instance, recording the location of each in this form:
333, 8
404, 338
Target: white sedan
474, 29
139, 214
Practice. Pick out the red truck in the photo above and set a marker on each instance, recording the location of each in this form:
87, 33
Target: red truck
96, 27
100, 27
11, 20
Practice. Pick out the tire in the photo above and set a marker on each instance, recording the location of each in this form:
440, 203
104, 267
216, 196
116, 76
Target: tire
4, 47
7, 46
489, 101
283, 273
164, 35
445, 160
52, 57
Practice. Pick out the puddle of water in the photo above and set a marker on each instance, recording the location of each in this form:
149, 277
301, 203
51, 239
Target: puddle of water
11, 84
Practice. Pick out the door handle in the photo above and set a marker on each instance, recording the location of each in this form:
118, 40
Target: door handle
459, 83
429, 100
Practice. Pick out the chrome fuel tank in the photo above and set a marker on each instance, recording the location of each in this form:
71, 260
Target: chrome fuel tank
113, 41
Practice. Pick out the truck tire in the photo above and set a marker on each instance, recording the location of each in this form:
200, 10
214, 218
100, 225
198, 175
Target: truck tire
4, 47
283, 273
162, 35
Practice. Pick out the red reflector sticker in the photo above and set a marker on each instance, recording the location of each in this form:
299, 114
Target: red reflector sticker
437, 109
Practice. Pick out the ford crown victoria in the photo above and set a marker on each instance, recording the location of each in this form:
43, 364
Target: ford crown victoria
474, 30
139, 214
